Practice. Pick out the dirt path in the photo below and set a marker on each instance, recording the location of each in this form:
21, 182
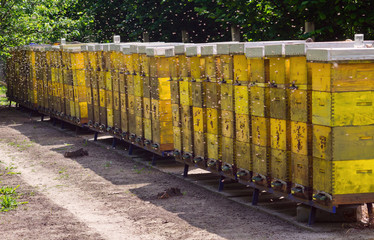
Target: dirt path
107, 196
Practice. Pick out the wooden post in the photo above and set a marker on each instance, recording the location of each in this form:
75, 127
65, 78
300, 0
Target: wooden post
185, 37
145, 37
235, 33
309, 27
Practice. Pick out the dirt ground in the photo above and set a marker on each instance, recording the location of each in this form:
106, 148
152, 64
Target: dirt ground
107, 196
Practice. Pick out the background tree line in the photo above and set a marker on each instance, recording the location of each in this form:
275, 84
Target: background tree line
46, 21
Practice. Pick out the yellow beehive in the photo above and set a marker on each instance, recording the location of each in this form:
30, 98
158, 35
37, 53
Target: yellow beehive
211, 101
101, 85
88, 70
161, 109
342, 124
79, 94
196, 68
259, 109
241, 102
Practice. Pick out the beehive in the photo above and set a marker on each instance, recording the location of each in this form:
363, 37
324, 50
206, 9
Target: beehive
342, 124
161, 110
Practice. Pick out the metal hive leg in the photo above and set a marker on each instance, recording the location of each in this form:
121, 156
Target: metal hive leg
312, 216
256, 193
185, 171
131, 148
221, 183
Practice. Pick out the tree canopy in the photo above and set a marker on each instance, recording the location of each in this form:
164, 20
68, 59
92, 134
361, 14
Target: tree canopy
37, 21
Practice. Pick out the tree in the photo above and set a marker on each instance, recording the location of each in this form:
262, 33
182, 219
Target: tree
46, 21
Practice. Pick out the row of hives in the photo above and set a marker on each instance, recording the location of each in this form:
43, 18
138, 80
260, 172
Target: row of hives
292, 117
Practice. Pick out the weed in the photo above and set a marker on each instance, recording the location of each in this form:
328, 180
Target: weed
62, 171
8, 198
184, 193
13, 173
138, 170
108, 164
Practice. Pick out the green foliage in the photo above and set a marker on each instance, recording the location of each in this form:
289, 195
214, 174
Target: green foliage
46, 21
8, 198
34, 21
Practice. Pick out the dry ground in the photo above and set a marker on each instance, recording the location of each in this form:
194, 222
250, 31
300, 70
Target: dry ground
107, 196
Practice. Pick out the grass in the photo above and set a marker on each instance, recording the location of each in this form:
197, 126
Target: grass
8, 198
3, 99
108, 164
23, 145
62, 174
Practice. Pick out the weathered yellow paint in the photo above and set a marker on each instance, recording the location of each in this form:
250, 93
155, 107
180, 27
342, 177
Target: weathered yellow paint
116, 101
77, 61
355, 176
177, 138
226, 67
147, 128
300, 137
186, 115
213, 146
240, 68
257, 73
139, 106
300, 105
164, 88
261, 163
130, 84
241, 99
210, 68
227, 97
93, 60
198, 94
131, 105
195, 68
242, 131
213, 120
343, 143
166, 132
277, 70
212, 95
176, 115
278, 103
278, 134
298, 70
183, 63
199, 120
228, 121
342, 77
199, 143
343, 108
83, 110
228, 148
124, 120
259, 101
139, 126
321, 76
260, 129
187, 140
174, 91
138, 86
322, 175
161, 110
243, 155
280, 162
185, 93
302, 171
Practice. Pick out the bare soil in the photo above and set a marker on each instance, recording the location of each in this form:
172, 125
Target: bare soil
107, 196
